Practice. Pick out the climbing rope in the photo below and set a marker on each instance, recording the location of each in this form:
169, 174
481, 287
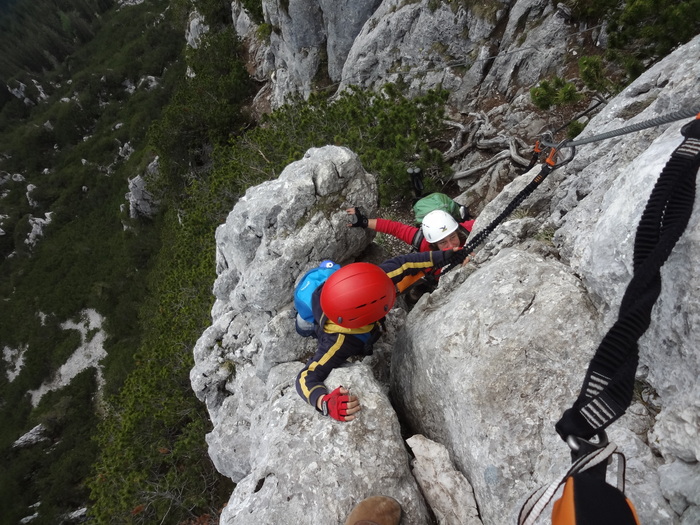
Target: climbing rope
547, 167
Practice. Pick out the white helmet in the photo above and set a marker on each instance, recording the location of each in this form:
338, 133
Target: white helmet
437, 225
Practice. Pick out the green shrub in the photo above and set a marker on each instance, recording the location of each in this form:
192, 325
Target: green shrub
554, 92
594, 76
153, 464
641, 31
567, 94
254, 9
652, 28
574, 129
264, 31
388, 131
204, 111
591, 10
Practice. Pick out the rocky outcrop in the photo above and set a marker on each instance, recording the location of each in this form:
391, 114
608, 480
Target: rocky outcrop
310, 41
142, 203
478, 371
485, 50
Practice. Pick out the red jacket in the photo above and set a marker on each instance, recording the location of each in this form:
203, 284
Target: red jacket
407, 233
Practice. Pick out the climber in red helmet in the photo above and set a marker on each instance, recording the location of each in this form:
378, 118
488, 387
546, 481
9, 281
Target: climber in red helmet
348, 312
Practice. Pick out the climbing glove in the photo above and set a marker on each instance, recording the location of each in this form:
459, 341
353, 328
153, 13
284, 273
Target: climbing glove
357, 219
453, 257
335, 405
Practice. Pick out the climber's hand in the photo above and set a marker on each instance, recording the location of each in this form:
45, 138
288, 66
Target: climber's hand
356, 218
340, 405
454, 257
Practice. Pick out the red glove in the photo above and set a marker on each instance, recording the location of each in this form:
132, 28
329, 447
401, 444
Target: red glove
335, 404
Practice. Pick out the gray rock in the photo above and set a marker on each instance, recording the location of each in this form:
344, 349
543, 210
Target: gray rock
34, 436
306, 468
142, 203
280, 227
680, 483
196, 28
447, 491
424, 44
310, 42
487, 367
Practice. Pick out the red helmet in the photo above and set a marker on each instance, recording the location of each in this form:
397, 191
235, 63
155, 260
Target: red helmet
358, 294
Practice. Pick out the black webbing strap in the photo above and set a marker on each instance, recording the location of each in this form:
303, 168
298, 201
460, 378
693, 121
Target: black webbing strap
481, 236
609, 382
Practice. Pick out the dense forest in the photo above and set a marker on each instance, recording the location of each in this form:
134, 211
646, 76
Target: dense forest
96, 92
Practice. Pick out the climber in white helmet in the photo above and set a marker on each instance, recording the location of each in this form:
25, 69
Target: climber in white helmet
438, 231
431, 236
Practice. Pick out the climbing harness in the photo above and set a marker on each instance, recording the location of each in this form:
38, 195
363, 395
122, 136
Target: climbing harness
609, 381
552, 162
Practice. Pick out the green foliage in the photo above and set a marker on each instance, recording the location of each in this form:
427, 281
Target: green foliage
40, 35
574, 129
388, 131
86, 259
153, 464
216, 13
554, 92
204, 111
264, 31
641, 31
53, 471
568, 94
591, 10
254, 9
543, 94
594, 77
652, 28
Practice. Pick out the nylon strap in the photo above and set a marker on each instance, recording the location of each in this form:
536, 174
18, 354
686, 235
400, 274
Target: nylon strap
480, 237
609, 382
535, 504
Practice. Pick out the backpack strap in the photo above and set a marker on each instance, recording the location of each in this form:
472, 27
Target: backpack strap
417, 239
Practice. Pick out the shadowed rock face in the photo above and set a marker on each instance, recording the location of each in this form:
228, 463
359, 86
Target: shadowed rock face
482, 368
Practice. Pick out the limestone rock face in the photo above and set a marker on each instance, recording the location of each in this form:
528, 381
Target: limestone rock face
310, 41
508, 359
491, 49
479, 371
304, 467
141, 201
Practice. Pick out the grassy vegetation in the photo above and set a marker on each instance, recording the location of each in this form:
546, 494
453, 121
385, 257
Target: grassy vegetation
68, 147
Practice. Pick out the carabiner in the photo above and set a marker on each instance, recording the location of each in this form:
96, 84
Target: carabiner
551, 159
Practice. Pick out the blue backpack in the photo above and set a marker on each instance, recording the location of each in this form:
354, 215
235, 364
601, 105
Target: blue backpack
308, 284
